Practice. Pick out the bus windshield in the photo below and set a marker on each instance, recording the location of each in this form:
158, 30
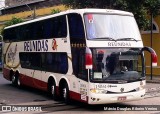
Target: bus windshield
121, 64
111, 27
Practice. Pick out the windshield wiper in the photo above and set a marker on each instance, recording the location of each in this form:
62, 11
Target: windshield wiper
122, 39
104, 38
112, 39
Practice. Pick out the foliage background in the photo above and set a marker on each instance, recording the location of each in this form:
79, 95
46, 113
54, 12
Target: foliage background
140, 8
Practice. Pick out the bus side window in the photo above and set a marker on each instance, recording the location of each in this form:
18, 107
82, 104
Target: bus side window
55, 62
11, 34
63, 66
22, 33
78, 62
25, 60
28, 32
35, 57
48, 26
76, 28
38, 30
77, 36
7, 35
59, 27
82, 71
62, 26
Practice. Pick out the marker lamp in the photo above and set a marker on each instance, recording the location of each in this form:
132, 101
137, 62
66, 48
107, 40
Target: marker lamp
98, 91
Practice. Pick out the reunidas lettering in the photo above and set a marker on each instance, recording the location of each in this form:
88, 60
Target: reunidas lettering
38, 45
119, 44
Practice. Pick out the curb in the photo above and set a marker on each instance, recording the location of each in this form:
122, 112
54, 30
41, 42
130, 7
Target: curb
153, 81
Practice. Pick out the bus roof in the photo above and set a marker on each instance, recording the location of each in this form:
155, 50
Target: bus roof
80, 11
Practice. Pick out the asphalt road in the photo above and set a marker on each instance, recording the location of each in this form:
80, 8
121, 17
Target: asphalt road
26, 99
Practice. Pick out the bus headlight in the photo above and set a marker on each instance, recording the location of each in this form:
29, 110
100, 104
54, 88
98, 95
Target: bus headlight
98, 91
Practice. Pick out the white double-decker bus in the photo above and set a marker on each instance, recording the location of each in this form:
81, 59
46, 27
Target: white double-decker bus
89, 55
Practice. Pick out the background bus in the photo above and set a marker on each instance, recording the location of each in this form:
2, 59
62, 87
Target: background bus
89, 55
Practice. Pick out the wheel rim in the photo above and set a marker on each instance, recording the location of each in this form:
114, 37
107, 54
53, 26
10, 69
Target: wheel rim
13, 78
52, 90
64, 93
19, 83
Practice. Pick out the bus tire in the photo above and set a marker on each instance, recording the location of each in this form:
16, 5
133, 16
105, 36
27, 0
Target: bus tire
18, 81
65, 94
14, 79
52, 89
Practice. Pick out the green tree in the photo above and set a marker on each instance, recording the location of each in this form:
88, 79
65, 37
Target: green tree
140, 8
13, 21
54, 11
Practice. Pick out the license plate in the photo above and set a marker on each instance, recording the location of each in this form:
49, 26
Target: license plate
123, 98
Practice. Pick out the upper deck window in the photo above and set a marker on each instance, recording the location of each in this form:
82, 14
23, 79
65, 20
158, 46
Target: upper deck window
76, 28
55, 27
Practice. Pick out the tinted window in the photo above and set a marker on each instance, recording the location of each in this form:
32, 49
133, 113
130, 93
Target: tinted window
8, 35
38, 30
50, 28
55, 62
55, 27
76, 28
30, 60
78, 62
52, 62
59, 27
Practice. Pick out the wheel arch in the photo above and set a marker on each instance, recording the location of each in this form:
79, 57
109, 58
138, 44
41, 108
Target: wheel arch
51, 78
17, 72
63, 81
12, 72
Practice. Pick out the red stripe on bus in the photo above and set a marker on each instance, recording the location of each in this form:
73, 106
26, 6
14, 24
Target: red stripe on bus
6, 73
35, 83
32, 82
27, 80
77, 96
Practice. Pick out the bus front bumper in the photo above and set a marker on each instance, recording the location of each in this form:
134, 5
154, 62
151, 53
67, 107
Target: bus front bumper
115, 98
